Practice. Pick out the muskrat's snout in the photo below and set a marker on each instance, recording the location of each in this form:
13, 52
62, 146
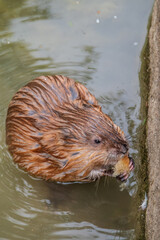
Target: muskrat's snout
124, 148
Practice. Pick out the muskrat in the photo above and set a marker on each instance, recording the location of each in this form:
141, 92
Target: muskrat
56, 130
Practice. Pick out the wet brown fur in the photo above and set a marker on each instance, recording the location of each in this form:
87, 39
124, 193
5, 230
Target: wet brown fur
52, 128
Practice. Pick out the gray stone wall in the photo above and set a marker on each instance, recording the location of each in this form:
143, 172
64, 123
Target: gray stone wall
153, 129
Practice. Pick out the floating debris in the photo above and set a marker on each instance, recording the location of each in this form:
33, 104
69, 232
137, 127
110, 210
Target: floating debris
97, 20
135, 43
70, 23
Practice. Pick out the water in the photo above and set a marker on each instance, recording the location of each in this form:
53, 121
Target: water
98, 44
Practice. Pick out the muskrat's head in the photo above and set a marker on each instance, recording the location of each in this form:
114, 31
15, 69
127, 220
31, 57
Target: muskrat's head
95, 146
56, 130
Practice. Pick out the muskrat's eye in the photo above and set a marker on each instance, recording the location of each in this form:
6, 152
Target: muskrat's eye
97, 141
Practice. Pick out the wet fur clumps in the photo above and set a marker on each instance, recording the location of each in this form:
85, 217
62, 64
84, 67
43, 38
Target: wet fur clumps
56, 130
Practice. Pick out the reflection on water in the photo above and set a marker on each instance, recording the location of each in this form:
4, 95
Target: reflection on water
43, 210
98, 45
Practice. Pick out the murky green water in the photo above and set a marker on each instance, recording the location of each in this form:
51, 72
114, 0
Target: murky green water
98, 43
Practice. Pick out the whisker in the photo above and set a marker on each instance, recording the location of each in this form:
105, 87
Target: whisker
105, 180
97, 184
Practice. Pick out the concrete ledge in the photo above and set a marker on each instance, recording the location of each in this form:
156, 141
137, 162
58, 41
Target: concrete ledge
153, 129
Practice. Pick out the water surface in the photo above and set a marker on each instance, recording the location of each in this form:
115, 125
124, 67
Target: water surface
97, 44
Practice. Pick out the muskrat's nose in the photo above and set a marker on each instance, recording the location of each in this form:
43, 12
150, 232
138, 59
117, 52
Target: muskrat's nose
124, 148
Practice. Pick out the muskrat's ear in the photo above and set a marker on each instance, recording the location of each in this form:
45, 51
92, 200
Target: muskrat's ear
49, 139
67, 136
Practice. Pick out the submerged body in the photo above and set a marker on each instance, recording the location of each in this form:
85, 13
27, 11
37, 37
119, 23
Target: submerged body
56, 130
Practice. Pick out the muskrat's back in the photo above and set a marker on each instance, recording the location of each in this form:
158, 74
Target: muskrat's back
56, 130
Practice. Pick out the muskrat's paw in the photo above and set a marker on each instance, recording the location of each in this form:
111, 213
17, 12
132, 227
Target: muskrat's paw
123, 177
131, 164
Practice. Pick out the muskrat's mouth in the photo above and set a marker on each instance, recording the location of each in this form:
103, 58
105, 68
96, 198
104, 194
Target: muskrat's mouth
109, 170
